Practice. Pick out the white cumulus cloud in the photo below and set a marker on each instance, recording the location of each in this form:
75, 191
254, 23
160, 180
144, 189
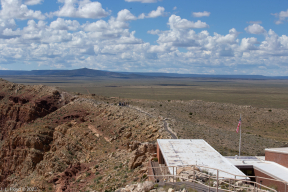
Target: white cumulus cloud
33, 2
281, 17
160, 11
14, 9
125, 15
255, 29
248, 44
85, 9
201, 14
176, 22
62, 24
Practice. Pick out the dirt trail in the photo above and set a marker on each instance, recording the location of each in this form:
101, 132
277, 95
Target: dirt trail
166, 127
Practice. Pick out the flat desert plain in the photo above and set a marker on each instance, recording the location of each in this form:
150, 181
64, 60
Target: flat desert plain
196, 108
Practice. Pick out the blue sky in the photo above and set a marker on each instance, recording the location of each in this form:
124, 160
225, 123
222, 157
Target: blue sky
197, 37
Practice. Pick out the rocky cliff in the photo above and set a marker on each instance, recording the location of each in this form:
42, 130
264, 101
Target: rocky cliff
59, 142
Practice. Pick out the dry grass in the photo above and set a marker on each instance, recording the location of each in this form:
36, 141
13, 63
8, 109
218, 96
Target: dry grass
258, 93
263, 105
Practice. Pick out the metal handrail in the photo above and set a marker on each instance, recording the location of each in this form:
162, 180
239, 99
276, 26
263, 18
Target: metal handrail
256, 184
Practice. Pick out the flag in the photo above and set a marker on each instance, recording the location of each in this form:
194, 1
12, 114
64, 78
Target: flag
237, 130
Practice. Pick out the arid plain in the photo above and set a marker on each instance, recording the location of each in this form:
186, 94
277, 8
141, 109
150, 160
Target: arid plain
196, 107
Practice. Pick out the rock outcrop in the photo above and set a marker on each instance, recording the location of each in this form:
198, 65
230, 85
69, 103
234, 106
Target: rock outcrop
58, 142
141, 152
140, 187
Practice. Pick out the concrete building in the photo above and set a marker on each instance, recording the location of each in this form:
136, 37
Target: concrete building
277, 155
183, 152
258, 169
270, 170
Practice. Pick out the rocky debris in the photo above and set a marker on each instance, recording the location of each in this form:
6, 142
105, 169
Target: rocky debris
62, 180
140, 153
140, 187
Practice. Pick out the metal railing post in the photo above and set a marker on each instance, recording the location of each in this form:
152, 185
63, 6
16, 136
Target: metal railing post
257, 183
209, 183
235, 183
194, 175
217, 180
173, 175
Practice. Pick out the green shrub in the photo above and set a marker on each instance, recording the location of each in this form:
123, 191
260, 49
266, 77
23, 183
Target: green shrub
144, 176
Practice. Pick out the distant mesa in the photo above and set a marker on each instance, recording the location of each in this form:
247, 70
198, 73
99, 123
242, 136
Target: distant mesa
85, 72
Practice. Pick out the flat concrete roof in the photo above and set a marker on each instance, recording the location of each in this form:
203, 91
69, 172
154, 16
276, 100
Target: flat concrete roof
183, 152
270, 168
278, 150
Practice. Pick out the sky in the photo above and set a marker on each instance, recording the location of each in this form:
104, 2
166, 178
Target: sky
185, 36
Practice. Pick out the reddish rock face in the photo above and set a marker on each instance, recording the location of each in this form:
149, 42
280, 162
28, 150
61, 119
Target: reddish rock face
58, 142
20, 105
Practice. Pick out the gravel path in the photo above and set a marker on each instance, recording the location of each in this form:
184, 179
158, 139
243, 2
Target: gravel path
166, 128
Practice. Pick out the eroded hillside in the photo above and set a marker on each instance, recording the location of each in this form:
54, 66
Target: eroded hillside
58, 142
216, 123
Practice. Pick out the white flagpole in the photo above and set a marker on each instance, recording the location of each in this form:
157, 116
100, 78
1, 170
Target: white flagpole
240, 137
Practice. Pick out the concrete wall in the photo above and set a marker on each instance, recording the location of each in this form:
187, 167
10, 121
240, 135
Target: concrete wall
272, 184
279, 158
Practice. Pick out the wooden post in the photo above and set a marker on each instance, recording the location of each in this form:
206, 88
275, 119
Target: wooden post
285, 187
217, 180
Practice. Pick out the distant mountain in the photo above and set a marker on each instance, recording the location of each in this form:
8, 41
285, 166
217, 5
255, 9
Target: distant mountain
70, 73
85, 72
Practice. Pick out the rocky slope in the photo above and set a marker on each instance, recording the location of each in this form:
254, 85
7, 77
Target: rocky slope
216, 123
58, 142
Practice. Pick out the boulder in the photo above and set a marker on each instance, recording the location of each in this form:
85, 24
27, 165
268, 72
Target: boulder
239, 183
140, 187
137, 162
